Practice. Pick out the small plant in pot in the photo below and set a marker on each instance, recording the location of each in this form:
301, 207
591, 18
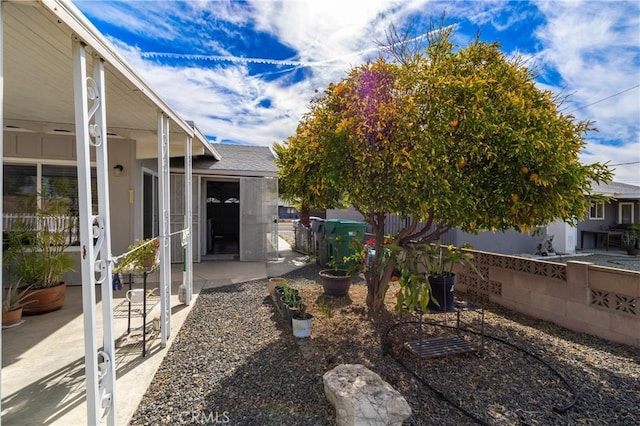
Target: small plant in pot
414, 293
141, 256
273, 283
290, 302
435, 262
630, 240
37, 256
337, 281
301, 320
13, 301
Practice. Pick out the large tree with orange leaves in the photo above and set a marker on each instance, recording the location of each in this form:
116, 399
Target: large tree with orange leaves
454, 136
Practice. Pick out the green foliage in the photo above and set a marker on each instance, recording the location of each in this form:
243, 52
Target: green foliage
414, 293
324, 308
454, 136
13, 297
630, 238
288, 293
141, 255
437, 259
36, 251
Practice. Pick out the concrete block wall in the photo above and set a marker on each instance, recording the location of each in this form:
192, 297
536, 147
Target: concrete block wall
580, 296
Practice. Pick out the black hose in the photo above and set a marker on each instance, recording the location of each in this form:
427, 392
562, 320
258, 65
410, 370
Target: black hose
559, 410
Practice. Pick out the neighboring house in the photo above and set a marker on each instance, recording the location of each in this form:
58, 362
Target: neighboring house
287, 210
604, 221
508, 242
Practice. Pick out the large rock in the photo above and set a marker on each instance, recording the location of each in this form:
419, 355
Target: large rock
361, 397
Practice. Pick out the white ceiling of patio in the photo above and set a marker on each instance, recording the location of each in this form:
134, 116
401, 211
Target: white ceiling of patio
38, 81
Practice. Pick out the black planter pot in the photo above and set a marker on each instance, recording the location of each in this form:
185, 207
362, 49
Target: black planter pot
279, 294
442, 291
297, 300
293, 312
335, 282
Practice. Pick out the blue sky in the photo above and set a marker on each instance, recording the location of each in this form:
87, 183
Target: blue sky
245, 71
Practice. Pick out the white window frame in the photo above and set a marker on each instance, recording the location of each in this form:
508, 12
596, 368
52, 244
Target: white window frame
155, 213
620, 205
597, 205
39, 163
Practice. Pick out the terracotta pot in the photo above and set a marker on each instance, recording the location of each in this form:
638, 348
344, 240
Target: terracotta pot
11, 317
273, 282
147, 264
335, 282
45, 300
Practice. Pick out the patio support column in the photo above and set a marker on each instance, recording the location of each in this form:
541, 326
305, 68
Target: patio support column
187, 277
1, 174
94, 235
165, 230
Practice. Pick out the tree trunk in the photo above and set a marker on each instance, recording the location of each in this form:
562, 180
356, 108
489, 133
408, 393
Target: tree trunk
305, 213
378, 274
375, 295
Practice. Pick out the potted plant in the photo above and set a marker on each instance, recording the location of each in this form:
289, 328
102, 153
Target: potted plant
141, 256
414, 293
337, 281
290, 302
13, 301
273, 283
630, 240
37, 255
301, 320
435, 262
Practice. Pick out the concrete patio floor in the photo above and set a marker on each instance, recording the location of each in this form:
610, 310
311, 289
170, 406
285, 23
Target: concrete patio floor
43, 380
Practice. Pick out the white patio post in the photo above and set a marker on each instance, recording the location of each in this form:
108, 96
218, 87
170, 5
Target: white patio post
94, 256
102, 261
187, 276
165, 230
1, 174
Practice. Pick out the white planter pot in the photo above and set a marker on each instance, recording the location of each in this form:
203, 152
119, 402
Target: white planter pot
301, 328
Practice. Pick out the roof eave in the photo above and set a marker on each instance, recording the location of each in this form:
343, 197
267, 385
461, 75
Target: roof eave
71, 16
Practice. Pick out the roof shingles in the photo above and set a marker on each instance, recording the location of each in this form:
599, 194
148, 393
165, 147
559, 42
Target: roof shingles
239, 158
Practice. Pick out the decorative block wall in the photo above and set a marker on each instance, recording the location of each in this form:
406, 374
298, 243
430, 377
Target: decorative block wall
580, 296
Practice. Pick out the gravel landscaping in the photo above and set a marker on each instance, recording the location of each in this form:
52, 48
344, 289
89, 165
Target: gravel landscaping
236, 361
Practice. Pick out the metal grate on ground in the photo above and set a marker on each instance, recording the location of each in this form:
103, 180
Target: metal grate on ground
437, 347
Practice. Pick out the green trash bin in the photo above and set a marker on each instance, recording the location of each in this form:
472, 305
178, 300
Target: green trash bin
339, 234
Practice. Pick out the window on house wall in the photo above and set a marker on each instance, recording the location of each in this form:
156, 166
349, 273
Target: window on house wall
150, 206
23, 183
625, 213
596, 211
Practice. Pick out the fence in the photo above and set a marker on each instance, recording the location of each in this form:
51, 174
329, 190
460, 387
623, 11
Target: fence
67, 224
580, 296
304, 240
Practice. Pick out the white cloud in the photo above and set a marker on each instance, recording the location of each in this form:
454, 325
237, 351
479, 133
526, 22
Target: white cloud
594, 48
591, 45
224, 100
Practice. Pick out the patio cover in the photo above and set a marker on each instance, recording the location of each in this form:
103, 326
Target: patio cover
37, 91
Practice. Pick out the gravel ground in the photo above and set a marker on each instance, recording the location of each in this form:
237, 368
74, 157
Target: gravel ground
236, 358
